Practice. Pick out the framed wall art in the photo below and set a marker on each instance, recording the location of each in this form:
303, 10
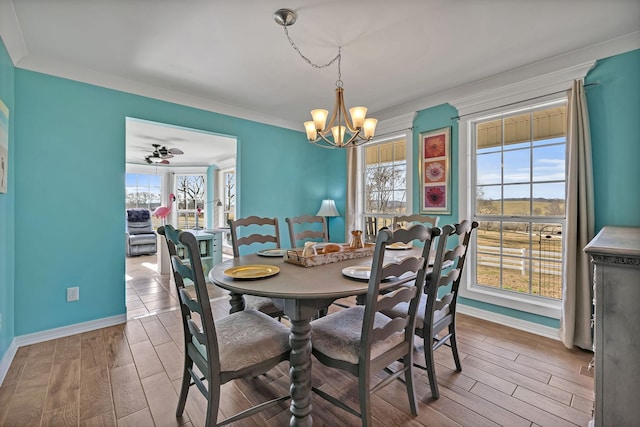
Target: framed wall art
435, 171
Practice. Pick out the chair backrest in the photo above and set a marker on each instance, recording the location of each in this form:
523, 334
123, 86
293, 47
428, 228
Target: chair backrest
139, 221
440, 310
406, 220
408, 292
310, 228
250, 222
199, 329
370, 228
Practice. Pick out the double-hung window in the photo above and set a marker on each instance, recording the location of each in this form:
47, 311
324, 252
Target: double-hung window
384, 181
517, 192
190, 192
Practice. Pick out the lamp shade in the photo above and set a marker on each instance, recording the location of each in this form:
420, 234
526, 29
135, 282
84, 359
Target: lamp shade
328, 208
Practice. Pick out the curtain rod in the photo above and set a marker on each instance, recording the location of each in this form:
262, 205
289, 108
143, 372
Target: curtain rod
394, 132
519, 102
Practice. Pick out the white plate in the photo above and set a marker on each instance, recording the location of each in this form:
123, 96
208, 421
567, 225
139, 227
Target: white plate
400, 246
272, 252
361, 272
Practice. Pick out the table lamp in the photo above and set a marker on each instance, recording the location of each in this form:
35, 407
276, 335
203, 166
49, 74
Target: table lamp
327, 210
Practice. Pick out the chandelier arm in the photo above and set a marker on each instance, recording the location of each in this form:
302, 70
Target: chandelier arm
347, 121
354, 141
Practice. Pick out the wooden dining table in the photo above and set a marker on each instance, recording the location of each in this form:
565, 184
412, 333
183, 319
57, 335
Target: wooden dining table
305, 291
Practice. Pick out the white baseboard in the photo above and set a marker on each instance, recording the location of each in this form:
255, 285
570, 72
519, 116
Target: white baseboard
7, 359
512, 322
65, 331
52, 334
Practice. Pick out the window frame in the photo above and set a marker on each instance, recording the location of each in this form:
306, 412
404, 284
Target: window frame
466, 192
361, 175
189, 211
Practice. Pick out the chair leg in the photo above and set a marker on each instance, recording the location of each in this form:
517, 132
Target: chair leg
454, 346
430, 364
365, 398
213, 403
184, 389
408, 377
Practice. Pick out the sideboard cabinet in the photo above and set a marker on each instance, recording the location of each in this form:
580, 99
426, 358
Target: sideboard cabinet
615, 257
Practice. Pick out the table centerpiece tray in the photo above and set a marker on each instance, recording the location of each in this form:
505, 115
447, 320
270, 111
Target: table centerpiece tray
294, 256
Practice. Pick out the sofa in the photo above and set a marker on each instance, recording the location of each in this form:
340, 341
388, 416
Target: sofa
141, 238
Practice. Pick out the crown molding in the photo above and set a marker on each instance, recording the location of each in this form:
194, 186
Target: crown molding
11, 32
540, 85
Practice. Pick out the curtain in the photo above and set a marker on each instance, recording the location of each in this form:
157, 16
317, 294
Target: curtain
575, 324
352, 197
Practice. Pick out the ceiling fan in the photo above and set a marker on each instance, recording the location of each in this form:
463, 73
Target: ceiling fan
160, 154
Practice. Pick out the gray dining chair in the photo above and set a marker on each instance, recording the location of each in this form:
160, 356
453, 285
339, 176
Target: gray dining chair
437, 308
406, 221
260, 231
242, 345
307, 228
363, 341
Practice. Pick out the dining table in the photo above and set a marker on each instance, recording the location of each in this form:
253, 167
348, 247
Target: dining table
303, 291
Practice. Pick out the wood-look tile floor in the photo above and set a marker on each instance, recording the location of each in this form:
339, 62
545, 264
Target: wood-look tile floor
128, 375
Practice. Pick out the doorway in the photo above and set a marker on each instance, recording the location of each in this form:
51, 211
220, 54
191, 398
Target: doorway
157, 153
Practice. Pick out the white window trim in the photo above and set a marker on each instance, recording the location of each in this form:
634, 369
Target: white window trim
389, 129
480, 105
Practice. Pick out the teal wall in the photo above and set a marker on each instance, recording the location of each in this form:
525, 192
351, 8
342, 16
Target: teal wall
7, 215
614, 115
70, 169
614, 118
428, 120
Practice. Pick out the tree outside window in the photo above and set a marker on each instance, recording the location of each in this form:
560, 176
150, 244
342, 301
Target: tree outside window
190, 200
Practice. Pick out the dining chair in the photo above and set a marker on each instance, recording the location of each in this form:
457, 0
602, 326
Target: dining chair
363, 341
242, 345
437, 312
406, 220
309, 228
269, 235
370, 228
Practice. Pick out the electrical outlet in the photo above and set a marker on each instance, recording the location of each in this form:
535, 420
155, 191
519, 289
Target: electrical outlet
73, 294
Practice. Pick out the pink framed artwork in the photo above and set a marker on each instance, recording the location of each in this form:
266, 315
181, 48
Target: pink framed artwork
435, 171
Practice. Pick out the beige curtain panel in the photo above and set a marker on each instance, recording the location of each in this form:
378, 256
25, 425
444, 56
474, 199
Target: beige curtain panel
577, 295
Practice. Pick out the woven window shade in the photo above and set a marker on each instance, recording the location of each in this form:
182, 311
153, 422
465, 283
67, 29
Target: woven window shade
547, 124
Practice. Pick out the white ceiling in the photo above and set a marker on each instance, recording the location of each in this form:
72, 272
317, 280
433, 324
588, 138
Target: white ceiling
199, 148
229, 56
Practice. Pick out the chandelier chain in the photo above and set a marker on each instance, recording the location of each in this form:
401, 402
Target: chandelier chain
338, 57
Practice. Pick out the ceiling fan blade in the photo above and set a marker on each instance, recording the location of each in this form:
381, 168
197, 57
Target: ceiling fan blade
175, 151
164, 162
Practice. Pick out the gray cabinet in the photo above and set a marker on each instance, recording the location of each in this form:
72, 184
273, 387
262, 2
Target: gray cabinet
615, 256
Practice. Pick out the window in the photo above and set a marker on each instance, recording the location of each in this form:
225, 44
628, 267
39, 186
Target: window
229, 196
143, 191
384, 181
190, 199
518, 176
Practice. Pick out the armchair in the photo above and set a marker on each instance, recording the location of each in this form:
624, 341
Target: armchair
141, 239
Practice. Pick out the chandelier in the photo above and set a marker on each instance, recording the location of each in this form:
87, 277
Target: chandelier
356, 126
